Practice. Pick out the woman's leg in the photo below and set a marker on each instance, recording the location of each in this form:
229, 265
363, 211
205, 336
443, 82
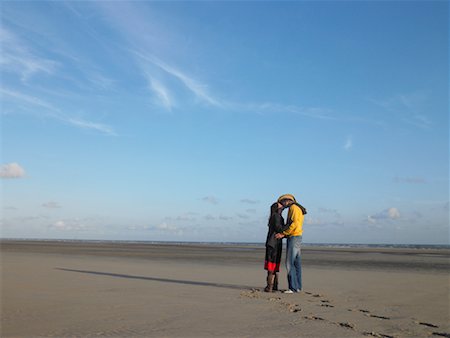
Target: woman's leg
270, 281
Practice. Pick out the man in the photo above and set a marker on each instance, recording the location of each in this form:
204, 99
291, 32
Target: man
294, 235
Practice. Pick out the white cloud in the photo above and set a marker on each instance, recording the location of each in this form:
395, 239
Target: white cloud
387, 214
168, 229
11, 170
68, 225
59, 225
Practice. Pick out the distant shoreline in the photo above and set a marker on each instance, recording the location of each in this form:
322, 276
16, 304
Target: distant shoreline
256, 244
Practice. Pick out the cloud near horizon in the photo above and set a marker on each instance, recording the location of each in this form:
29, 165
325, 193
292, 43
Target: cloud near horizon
387, 214
11, 170
249, 201
51, 205
210, 199
68, 225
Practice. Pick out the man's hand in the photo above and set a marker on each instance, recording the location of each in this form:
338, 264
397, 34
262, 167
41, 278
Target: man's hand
279, 236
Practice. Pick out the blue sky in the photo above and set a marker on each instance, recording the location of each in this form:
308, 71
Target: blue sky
184, 121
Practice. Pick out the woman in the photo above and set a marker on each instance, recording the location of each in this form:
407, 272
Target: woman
273, 247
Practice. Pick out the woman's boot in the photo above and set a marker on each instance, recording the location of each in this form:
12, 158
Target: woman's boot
275, 283
270, 280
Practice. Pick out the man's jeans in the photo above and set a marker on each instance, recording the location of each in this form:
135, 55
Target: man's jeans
294, 262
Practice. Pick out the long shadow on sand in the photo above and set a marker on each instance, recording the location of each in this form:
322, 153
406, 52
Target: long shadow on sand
163, 280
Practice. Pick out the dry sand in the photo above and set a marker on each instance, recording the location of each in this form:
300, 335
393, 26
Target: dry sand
54, 289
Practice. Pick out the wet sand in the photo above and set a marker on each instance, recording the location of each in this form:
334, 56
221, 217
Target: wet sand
84, 289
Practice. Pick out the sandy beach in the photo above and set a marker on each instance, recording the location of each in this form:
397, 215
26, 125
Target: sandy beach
87, 289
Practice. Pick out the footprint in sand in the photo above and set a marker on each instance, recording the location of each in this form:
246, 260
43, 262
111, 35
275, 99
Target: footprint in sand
378, 335
294, 308
441, 334
368, 314
426, 324
326, 305
379, 317
347, 325
313, 318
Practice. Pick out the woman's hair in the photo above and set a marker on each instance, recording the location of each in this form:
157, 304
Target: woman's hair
273, 210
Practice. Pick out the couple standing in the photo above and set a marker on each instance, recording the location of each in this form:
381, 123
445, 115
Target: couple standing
293, 231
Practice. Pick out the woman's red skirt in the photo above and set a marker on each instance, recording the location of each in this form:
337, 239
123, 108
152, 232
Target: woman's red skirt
273, 258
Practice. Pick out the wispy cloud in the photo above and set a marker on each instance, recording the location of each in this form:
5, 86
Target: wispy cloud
410, 180
409, 107
105, 129
16, 57
11, 170
319, 222
328, 211
199, 90
249, 201
242, 216
51, 205
152, 58
49, 110
210, 199
161, 92
272, 107
27, 99
348, 143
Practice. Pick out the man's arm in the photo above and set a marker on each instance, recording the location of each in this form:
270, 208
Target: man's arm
294, 221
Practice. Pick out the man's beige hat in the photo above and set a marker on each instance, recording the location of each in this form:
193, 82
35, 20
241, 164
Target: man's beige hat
287, 197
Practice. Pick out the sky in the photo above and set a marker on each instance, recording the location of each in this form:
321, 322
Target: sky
184, 121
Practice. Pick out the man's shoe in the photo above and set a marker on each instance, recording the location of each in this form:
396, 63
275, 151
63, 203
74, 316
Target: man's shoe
288, 291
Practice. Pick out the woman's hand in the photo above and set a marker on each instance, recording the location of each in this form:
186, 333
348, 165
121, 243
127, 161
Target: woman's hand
279, 236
